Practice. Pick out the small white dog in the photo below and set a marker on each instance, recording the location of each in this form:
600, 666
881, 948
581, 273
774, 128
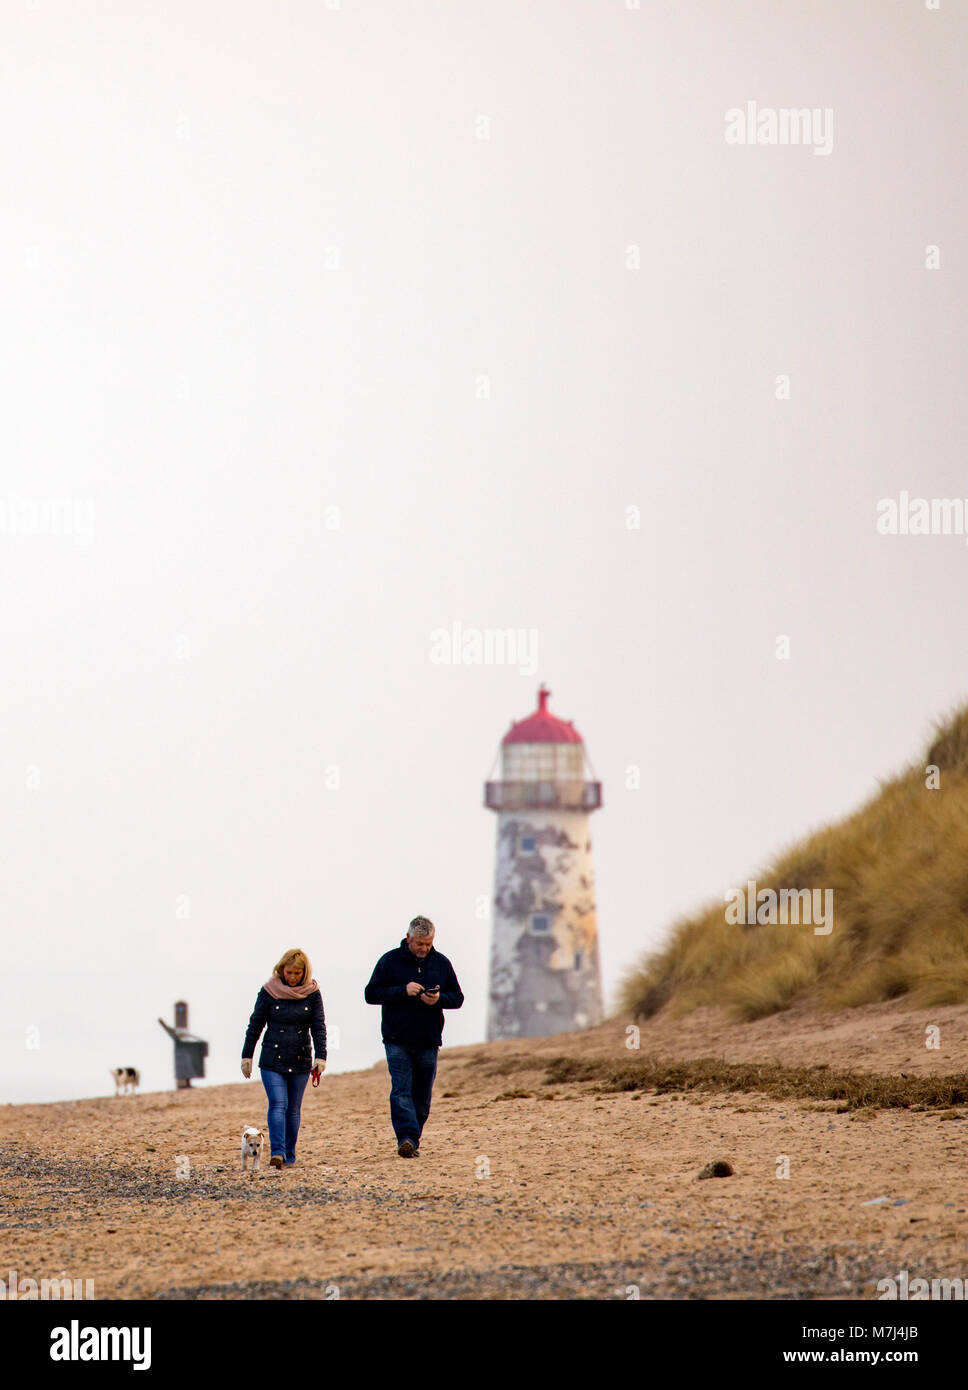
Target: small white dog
126, 1079
251, 1147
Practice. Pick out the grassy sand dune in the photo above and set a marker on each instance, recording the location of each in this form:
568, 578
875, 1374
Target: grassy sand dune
898, 871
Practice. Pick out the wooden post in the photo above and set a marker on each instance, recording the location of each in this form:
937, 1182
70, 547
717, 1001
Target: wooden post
181, 1022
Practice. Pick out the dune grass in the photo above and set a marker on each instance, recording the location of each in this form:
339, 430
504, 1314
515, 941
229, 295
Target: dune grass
849, 1090
854, 1090
898, 868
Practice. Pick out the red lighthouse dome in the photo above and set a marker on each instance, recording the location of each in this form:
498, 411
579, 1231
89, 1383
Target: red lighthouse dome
542, 726
543, 764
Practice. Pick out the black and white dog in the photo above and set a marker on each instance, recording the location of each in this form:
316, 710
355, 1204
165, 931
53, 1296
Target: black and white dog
126, 1079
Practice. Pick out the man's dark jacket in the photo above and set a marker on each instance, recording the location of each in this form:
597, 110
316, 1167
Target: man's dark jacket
407, 1020
288, 1024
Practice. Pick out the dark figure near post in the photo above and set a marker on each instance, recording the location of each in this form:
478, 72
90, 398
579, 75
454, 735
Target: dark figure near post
414, 983
190, 1052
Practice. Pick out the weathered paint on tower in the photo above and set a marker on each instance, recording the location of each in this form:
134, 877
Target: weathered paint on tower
544, 975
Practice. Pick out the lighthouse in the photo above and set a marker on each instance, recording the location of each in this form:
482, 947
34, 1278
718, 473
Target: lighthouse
544, 970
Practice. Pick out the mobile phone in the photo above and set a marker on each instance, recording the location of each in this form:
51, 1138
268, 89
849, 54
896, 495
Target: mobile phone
432, 989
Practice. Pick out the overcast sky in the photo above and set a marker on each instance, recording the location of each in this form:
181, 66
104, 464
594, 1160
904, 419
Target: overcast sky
327, 327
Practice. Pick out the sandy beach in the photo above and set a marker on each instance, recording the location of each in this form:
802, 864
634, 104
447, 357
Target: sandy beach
523, 1189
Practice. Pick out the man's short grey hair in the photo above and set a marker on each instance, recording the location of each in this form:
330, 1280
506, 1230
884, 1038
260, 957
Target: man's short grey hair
421, 927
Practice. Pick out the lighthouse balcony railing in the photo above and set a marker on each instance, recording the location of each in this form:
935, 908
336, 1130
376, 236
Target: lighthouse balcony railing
525, 796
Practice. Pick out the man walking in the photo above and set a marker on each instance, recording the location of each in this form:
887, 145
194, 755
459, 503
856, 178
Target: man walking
414, 983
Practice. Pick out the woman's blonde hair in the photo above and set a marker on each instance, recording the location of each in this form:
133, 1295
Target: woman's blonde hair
294, 957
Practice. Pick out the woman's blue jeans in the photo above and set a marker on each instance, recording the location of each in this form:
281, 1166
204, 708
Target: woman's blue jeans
285, 1093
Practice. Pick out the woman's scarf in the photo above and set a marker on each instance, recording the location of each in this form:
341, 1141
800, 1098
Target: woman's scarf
278, 989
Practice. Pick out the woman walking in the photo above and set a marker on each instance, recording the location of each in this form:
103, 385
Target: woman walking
290, 1008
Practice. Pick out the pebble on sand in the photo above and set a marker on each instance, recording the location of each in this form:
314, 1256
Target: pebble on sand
719, 1168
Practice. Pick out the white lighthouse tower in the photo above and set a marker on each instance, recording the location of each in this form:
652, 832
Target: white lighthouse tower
545, 974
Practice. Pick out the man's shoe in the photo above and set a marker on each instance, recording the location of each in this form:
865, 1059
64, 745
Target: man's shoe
276, 1161
406, 1149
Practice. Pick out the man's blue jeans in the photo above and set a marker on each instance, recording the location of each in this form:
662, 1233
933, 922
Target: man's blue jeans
412, 1072
285, 1093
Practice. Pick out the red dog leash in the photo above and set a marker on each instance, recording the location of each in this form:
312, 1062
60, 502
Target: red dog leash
315, 1076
